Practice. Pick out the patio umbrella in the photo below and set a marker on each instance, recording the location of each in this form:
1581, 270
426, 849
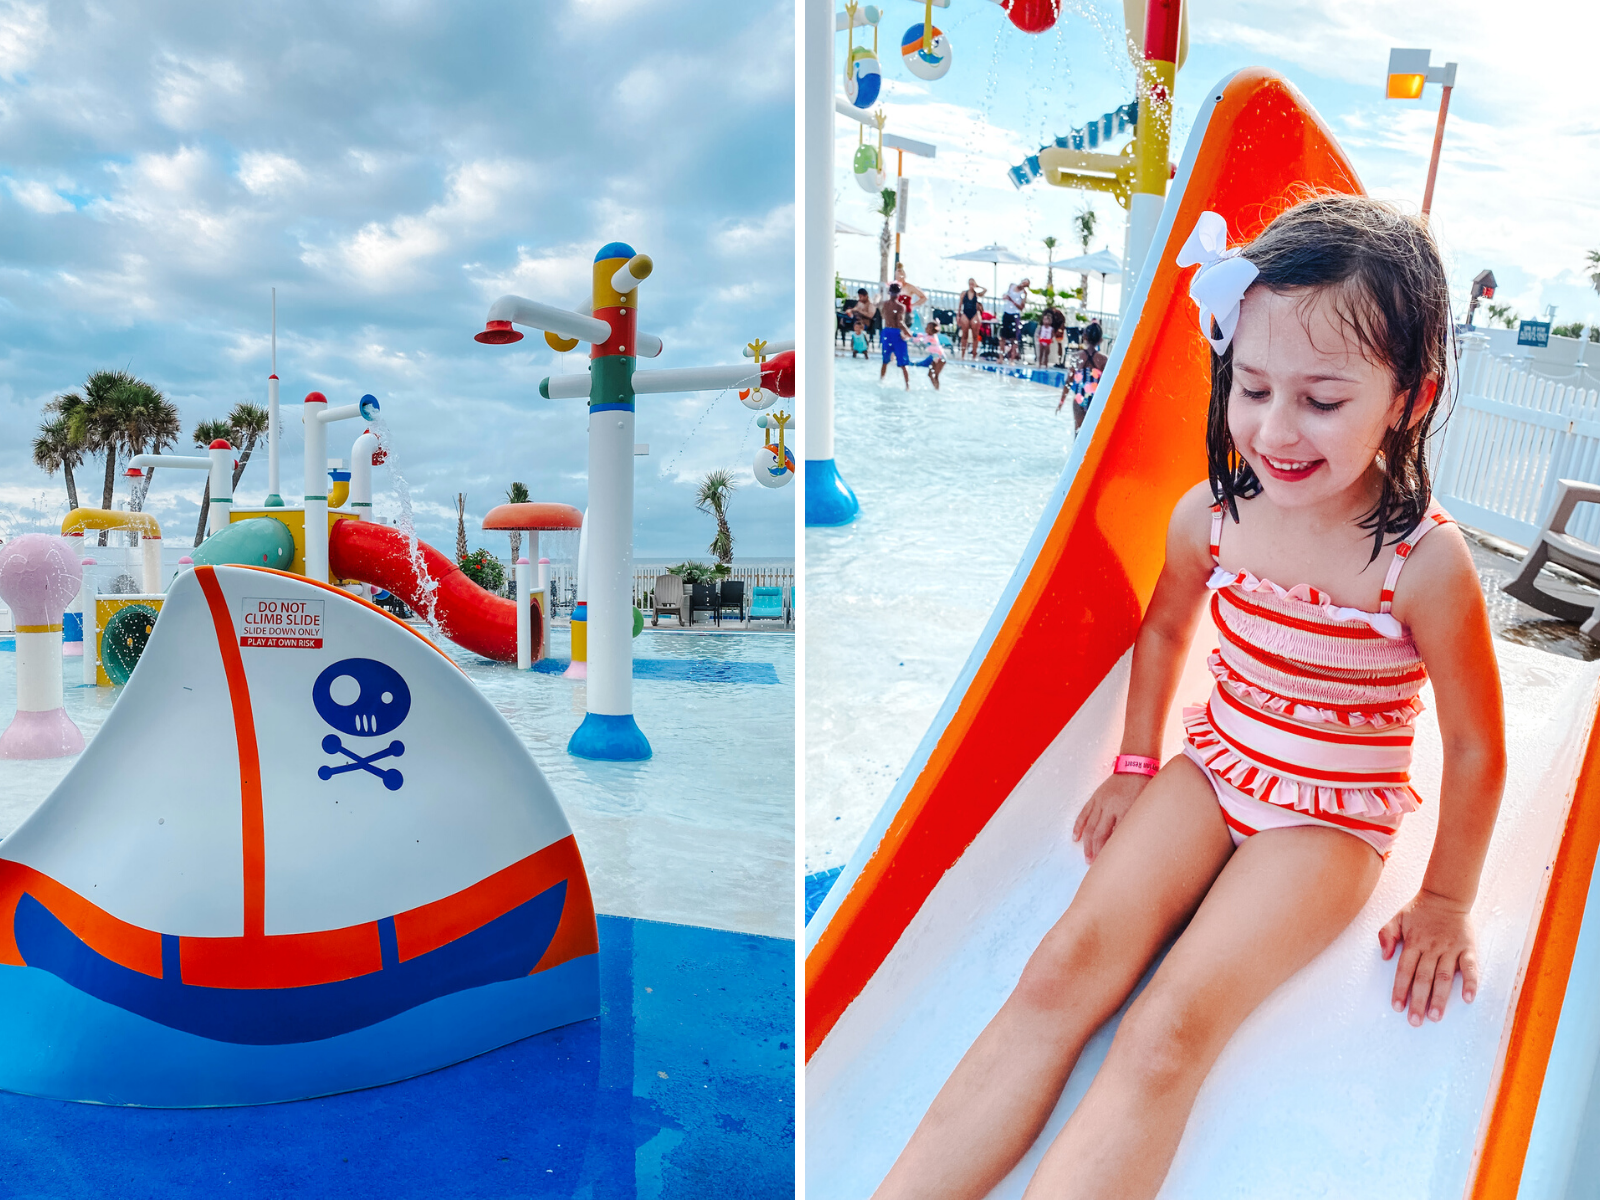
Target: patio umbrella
993, 255
1101, 262
843, 227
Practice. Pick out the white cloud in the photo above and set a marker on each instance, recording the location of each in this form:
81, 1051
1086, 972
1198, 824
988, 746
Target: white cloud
386, 253
23, 31
262, 171
39, 197
186, 89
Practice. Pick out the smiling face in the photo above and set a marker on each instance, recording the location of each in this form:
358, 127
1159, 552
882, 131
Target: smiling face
1308, 409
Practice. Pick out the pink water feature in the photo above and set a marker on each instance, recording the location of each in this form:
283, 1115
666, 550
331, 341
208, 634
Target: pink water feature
39, 576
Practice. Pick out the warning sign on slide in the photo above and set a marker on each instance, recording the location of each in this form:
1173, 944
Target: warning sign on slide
283, 624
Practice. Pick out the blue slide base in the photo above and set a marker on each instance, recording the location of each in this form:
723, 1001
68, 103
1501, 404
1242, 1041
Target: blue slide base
72, 627
609, 738
66, 1045
829, 500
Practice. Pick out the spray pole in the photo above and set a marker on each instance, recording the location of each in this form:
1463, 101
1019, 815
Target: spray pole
274, 500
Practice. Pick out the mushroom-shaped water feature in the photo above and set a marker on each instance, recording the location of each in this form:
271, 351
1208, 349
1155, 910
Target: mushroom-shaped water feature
531, 518
39, 576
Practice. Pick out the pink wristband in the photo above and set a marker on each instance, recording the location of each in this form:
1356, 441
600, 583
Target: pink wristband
1135, 764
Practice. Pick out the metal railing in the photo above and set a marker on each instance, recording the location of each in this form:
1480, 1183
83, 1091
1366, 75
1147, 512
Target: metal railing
938, 298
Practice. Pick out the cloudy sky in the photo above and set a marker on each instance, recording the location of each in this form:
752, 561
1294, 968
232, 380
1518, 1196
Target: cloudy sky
391, 168
1517, 179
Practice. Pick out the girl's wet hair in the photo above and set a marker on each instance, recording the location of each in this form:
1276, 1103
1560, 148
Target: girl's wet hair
1390, 292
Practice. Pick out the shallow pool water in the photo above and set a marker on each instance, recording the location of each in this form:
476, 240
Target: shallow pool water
700, 834
951, 485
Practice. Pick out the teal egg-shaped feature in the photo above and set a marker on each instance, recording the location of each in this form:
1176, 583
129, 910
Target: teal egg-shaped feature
127, 633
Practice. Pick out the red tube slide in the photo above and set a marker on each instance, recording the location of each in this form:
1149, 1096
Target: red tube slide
377, 554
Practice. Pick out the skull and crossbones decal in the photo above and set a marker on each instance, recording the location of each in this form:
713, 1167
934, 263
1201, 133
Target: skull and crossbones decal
363, 698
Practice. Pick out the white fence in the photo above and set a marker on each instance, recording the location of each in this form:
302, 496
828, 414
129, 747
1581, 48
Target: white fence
1516, 430
565, 578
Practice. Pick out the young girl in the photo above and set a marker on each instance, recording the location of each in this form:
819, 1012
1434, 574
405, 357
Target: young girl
1337, 588
1085, 376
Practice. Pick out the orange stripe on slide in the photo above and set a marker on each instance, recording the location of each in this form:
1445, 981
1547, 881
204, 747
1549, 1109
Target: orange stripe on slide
1079, 608
433, 925
135, 948
1531, 1030
251, 818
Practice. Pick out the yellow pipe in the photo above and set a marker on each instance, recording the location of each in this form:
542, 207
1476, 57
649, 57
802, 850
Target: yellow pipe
80, 519
1150, 146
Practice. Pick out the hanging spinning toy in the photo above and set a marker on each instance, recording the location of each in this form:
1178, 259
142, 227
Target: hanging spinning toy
774, 463
755, 397
925, 49
863, 77
869, 159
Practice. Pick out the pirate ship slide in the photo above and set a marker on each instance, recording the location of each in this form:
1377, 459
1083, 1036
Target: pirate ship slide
1325, 1089
351, 871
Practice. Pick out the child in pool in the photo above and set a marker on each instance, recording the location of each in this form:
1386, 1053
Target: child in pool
858, 340
1259, 844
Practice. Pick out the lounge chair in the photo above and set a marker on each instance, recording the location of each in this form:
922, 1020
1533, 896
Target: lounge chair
731, 595
702, 598
794, 604
766, 604
1555, 545
668, 598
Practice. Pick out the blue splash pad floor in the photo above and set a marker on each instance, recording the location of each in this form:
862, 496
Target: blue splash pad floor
684, 1087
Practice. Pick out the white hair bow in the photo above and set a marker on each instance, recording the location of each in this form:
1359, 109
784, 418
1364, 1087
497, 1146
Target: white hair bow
1221, 281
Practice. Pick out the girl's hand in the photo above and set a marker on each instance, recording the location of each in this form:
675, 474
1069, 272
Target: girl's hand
1436, 933
1104, 810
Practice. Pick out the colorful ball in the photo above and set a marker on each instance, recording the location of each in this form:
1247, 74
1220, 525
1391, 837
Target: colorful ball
932, 63
769, 471
1032, 16
863, 78
871, 182
757, 398
127, 633
866, 159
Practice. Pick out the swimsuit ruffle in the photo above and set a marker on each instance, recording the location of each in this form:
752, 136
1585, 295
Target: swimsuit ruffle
1304, 593
1402, 713
1285, 791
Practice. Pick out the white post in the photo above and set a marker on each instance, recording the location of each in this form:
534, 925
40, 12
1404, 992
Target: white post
361, 475
150, 552
91, 635
547, 598
221, 487
316, 493
610, 529
274, 432
1144, 214
829, 500
524, 614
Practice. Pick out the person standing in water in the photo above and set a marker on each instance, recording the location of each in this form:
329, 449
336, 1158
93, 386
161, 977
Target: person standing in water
894, 335
969, 326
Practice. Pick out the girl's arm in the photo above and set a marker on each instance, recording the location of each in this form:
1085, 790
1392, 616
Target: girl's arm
1444, 608
1159, 652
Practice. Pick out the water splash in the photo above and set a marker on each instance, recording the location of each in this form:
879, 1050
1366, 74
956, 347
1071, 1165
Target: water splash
428, 586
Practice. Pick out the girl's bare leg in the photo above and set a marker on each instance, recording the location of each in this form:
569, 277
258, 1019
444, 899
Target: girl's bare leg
1283, 896
1143, 886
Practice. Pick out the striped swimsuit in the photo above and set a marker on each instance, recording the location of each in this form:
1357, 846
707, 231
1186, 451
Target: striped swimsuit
1310, 719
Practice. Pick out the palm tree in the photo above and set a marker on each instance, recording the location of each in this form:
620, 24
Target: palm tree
1083, 226
1503, 313
461, 526
205, 433
517, 493
247, 424
97, 419
887, 200
1049, 271
150, 424
712, 497
1593, 269
54, 450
